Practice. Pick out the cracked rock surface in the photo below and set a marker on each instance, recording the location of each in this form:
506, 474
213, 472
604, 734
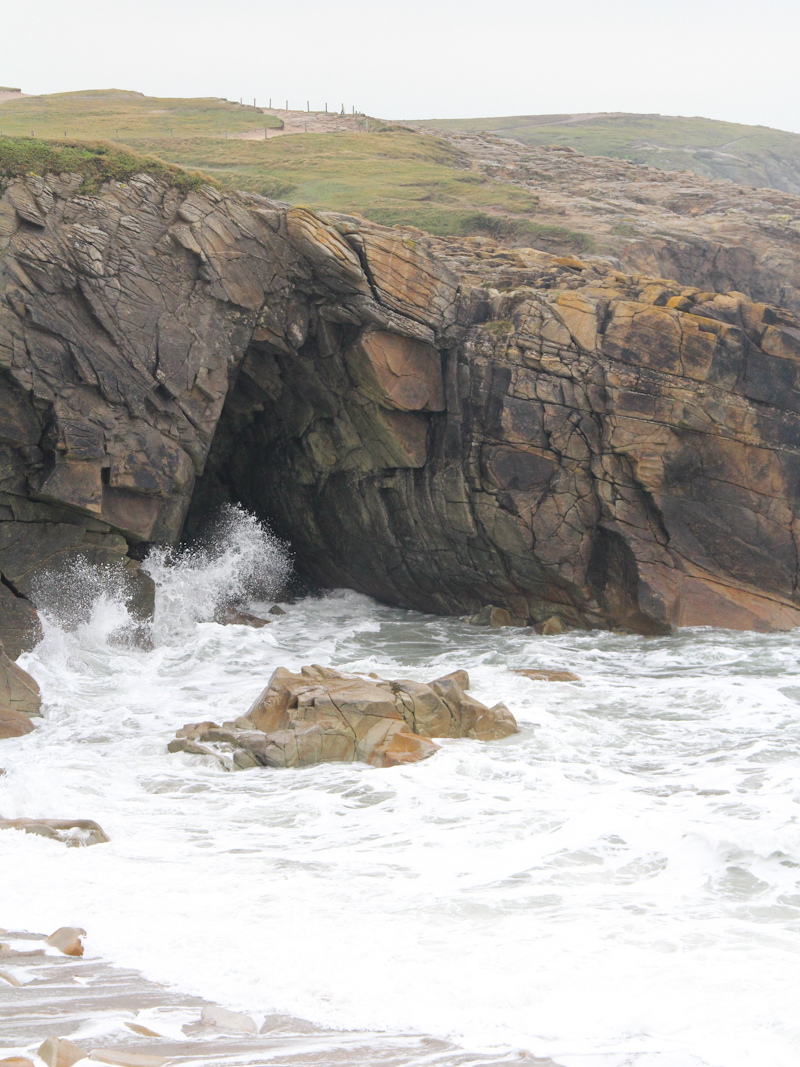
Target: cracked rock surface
323, 715
440, 423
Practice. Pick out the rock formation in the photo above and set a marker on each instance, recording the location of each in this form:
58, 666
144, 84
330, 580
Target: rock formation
443, 424
322, 715
708, 233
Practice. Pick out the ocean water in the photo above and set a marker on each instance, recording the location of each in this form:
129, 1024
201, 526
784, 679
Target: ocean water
618, 884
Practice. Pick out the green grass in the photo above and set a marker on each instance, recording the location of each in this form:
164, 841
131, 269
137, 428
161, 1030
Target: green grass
394, 175
750, 154
98, 163
115, 114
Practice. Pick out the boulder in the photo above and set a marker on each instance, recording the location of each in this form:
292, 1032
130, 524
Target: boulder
14, 723
323, 715
551, 626
15, 1061
74, 832
67, 939
60, 1052
544, 675
491, 616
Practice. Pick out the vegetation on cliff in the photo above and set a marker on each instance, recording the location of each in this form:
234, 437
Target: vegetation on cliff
97, 163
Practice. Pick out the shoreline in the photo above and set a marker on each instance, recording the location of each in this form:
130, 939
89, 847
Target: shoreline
109, 1010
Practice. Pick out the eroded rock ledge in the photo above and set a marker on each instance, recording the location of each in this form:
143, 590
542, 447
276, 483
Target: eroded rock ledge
441, 424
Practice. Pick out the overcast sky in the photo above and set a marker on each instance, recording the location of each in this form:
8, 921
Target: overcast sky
725, 59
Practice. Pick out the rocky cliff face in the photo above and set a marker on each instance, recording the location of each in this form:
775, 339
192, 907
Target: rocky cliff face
713, 234
441, 424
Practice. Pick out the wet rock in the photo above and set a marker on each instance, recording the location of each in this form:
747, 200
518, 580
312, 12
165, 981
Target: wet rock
18, 691
231, 616
276, 609
552, 626
323, 715
11, 980
491, 616
67, 939
119, 1058
60, 1052
543, 675
16, 1061
223, 1019
14, 723
142, 1031
73, 832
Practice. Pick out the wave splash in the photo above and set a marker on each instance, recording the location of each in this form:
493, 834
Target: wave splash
238, 560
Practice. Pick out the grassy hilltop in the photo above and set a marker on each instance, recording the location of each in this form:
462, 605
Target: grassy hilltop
751, 155
413, 174
393, 175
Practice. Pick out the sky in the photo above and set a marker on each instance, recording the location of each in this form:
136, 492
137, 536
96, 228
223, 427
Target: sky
723, 59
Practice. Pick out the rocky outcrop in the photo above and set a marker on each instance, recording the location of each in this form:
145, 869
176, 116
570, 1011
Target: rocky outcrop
322, 715
713, 234
442, 424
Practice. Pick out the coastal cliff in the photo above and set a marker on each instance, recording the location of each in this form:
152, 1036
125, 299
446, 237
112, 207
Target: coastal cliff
440, 423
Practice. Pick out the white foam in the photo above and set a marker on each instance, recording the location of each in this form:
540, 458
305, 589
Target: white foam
617, 884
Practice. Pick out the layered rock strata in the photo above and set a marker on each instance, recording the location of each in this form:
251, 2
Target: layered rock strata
442, 424
323, 715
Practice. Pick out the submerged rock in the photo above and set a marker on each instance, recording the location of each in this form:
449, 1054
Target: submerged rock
231, 616
223, 1019
73, 832
491, 616
544, 675
323, 715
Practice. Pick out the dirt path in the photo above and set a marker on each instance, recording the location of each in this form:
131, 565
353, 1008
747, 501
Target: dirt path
305, 122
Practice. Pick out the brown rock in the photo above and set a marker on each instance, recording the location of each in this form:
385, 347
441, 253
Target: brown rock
120, 1058
491, 616
60, 1052
67, 939
70, 831
552, 626
397, 372
16, 1061
459, 676
14, 723
323, 715
18, 691
543, 675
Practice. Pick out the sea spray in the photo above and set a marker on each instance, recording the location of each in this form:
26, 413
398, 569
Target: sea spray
237, 559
